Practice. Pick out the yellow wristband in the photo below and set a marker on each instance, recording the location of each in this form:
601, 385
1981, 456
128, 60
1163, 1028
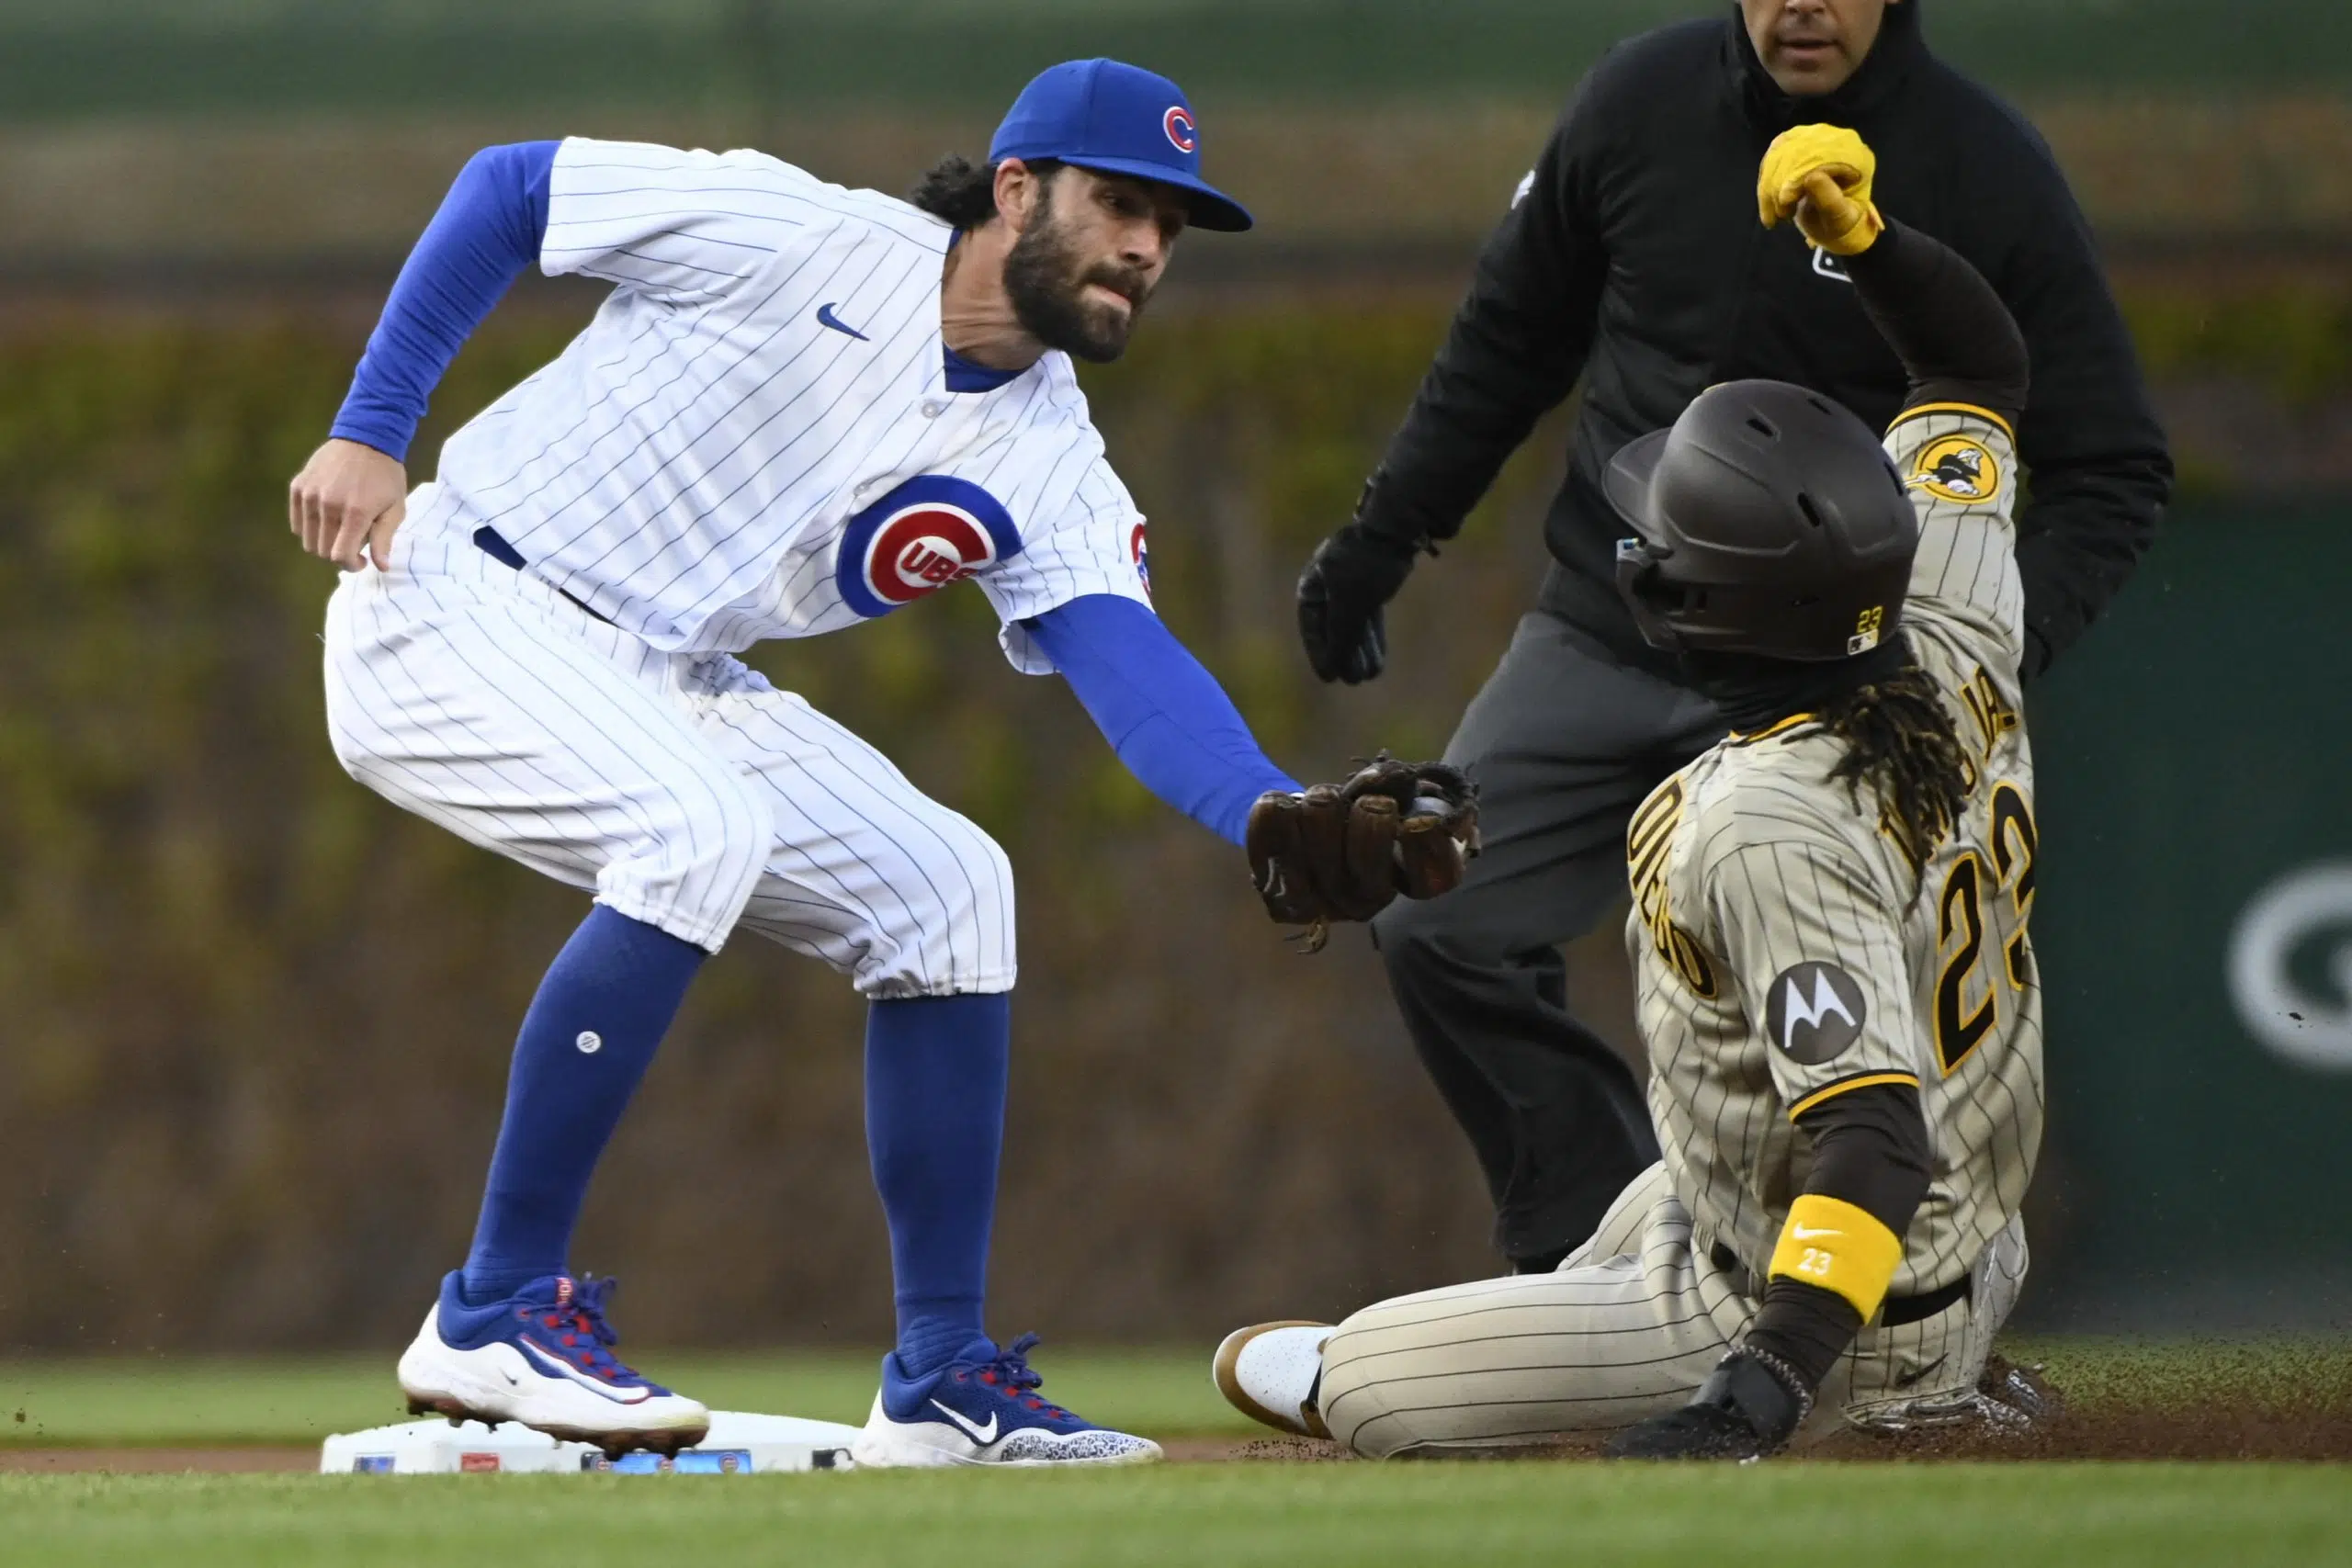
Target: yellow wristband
1829, 1243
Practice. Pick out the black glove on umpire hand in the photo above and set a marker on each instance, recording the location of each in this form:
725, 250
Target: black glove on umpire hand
1746, 1408
1351, 576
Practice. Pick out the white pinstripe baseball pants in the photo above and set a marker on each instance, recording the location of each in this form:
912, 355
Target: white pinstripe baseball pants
682, 789
1627, 1327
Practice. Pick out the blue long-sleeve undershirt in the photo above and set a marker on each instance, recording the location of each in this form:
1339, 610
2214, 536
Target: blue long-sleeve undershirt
488, 229
1167, 717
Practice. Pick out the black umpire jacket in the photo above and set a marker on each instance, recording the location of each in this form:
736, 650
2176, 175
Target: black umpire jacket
1634, 258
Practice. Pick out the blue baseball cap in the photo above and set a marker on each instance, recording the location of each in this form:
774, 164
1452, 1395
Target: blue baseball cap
1119, 119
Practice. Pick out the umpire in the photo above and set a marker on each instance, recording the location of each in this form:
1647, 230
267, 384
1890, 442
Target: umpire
1631, 257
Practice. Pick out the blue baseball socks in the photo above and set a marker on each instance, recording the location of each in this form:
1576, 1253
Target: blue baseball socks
936, 1070
591, 1031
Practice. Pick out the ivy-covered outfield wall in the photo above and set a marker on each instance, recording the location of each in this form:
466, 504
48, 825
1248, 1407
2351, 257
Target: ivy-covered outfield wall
255, 1021
243, 57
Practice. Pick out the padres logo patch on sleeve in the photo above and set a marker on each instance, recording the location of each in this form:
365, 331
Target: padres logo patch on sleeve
1957, 469
1815, 1011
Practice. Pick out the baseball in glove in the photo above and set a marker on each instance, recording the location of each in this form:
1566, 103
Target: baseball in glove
1341, 851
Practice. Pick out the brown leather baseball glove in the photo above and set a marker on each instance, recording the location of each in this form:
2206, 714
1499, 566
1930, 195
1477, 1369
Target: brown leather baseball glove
1341, 851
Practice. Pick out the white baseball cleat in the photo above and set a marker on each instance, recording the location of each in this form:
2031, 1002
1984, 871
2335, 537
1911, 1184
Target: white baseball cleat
542, 1358
984, 1409
1271, 1373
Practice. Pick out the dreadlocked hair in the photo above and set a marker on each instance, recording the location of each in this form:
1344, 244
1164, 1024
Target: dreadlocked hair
1900, 741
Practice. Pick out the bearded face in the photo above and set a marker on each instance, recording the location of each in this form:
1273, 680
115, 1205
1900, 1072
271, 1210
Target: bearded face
1066, 293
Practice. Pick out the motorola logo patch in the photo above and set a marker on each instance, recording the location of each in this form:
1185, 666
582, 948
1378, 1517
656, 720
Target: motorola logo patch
1815, 1011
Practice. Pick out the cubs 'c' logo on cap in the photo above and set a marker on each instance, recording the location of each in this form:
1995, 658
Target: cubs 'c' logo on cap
1815, 1011
1957, 469
1139, 548
1177, 123
926, 533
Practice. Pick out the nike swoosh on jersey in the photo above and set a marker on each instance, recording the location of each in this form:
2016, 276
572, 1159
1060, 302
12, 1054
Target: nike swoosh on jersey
970, 1429
1912, 1380
563, 1369
825, 317
1807, 1233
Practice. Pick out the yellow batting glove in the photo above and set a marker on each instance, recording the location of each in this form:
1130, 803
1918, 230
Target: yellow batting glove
1820, 176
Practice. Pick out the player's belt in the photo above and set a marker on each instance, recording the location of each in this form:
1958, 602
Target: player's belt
1898, 1310
493, 543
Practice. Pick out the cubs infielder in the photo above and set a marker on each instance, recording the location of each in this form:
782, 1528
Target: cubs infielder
801, 408
1836, 989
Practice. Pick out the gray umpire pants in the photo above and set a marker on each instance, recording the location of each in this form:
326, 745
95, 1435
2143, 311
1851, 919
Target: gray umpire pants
1564, 740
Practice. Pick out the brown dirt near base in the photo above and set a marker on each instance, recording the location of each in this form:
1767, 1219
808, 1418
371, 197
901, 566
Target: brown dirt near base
2209, 1435
2229, 1403
2233, 1405
2221, 1434
287, 1461
271, 1461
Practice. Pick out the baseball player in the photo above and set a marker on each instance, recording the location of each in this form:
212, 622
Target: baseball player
1836, 991
801, 408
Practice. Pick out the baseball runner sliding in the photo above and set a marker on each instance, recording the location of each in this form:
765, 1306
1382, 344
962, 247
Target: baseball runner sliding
801, 408
1835, 988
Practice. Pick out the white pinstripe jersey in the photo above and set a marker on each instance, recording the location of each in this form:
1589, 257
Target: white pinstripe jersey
754, 437
1752, 872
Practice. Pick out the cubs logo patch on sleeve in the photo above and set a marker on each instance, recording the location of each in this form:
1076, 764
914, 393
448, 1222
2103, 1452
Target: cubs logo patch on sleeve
925, 534
1814, 1012
1957, 469
1139, 546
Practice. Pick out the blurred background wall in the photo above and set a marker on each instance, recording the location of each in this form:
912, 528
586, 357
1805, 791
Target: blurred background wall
254, 1022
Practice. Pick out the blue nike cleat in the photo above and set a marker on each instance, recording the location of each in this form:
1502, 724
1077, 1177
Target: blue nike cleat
984, 1409
543, 1358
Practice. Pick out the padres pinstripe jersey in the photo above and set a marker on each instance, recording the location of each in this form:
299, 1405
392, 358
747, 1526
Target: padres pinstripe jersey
755, 437
1785, 953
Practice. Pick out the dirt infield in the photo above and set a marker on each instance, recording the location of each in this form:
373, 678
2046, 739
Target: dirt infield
2221, 1435
2229, 1403
286, 1459
2223, 1404
2227, 1435
272, 1460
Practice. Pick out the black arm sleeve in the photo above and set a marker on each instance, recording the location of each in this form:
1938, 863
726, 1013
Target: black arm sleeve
1871, 1150
1517, 345
2094, 454
1957, 341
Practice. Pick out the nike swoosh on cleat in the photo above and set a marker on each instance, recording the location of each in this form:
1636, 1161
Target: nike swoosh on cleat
562, 1369
981, 1435
825, 317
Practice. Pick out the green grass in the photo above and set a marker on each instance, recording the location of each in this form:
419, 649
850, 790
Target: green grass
1237, 1514
204, 1401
